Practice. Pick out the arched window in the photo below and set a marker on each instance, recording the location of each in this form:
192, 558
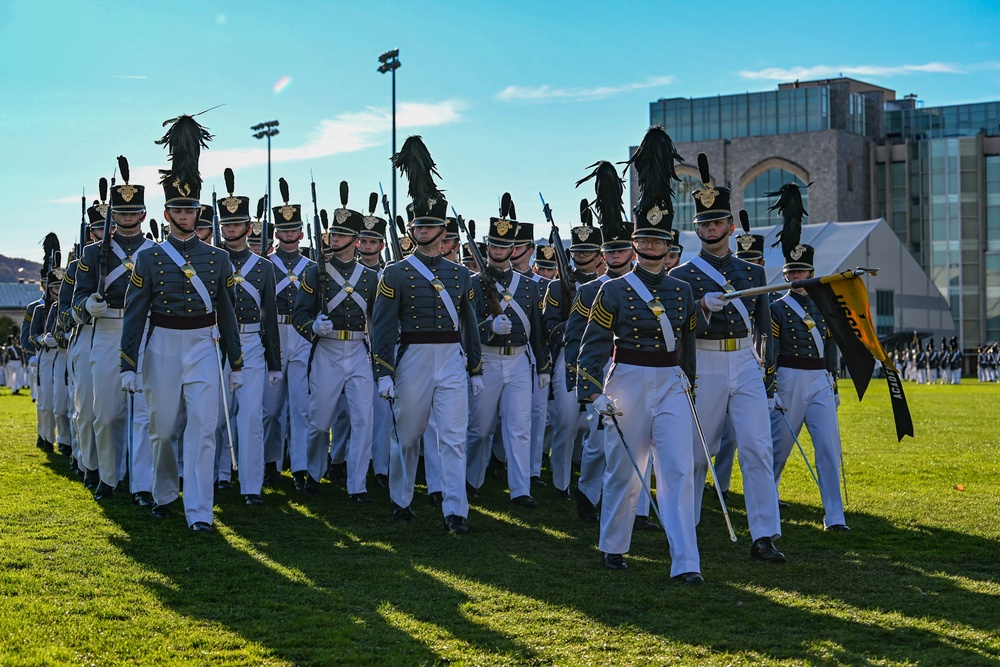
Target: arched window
756, 203
683, 202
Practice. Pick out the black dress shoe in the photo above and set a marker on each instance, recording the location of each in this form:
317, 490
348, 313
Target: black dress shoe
48, 447
838, 528
455, 524
223, 485
436, 498
763, 550
339, 476
536, 482
91, 479
143, 499
201, 527
497, 468
525, 501
563, 494
725, 496
73, 467
65, 450
689, 578
299, 479
471, 491
585, 509
122, 487
103, 491
310, 487
253, 499
615, 562
382, 481
361, 498
404, 514
39, 442
644, 523
271, 475
161, 512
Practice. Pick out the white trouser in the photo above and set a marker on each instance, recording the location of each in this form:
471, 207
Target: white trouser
44, 403
539, 416
726, 454
567, 423
733, 382
32, 378
182, 367
592, 462
110, 428
432, 459
12, 371
341, 366
246, 418
60, 397
432, 378
340, 434
656, 418
507, 383
291, 394
381, 425
807, 396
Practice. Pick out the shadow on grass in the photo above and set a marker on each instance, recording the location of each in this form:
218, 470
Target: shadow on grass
322, 580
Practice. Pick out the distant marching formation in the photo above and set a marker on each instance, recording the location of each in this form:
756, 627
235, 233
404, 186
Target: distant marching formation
177, 358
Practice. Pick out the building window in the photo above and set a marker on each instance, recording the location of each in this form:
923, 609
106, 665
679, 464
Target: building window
885, 314
684, 202
756, 201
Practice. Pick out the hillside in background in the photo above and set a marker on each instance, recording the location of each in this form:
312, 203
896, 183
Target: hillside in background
9, 269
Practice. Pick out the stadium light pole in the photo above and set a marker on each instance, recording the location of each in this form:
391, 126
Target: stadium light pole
390, 63
262, 130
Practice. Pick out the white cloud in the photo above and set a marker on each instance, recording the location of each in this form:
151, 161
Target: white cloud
346, 133
827, 71
547, 92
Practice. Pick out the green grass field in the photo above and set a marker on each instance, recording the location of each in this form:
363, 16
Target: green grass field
320, 581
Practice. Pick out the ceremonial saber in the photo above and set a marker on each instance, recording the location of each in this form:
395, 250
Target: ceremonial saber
799, 445
642, 480
225, 400
797, 284
711, 468
129, 415
399, 445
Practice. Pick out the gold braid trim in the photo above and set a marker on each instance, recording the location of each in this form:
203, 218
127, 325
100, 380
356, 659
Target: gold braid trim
137, 280
385, 290
590, 378
378, 360
127, 360
600, 315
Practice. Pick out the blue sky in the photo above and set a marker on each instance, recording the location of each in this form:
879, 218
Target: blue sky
514, 96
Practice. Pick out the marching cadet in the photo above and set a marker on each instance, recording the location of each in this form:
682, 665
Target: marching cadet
730, 343
954, 362
645, 322
254, 238
185, 289
567, 420
205, 227
807, 386
618, 256
545, 262
286, 404
749, 248
921, 364
427, 304
468, 259
332, 309
520, 260
103, 277
12, 357
673, 256
68, 327
256, 316
514, 353
28, 348
42, 333
83, 394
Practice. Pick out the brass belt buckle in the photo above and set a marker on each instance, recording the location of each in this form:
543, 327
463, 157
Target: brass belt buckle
729, 345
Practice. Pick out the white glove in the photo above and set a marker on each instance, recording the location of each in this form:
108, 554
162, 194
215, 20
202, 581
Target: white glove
771, 404
543, 380
96, 306
476, 382
33, 361
604, 404
273, 378
322, 325
836, 399
138, 383
714, 301
778, 405
235, 380
76, 316
48, 340
501, 325
129, 382
386, 387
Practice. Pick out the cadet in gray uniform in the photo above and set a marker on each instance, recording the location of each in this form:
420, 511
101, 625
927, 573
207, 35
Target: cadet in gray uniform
567, 420
103, 306
644, 322
426, 303
28, 348
731, 376
332, 309
514, 354
286, 404
256, 316
807, 388
185, 288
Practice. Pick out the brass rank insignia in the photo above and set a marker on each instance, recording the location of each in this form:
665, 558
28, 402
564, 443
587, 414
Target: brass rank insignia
745, 241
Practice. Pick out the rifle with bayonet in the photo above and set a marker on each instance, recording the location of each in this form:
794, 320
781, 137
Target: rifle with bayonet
489, 290
562, 261
395, 248
216, 228
105, 254
318, 250
84, 234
